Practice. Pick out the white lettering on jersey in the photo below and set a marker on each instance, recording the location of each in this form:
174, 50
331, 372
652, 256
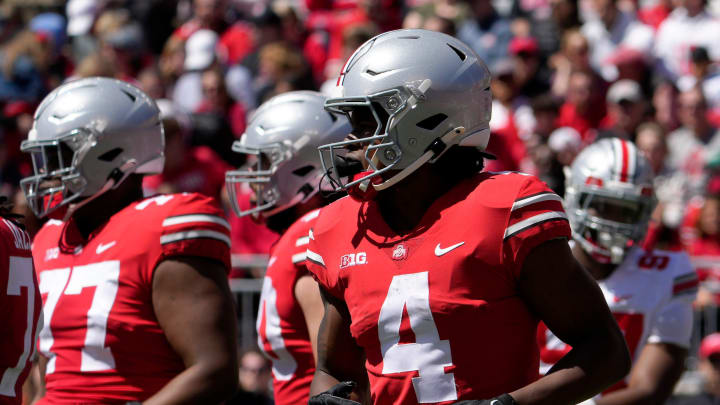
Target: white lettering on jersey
159, 200
19, 277
353, 259
104, 277
52, 253
428, 355
284, 366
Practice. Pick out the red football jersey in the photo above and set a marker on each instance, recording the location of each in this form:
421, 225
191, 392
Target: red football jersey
100, 335
282, 330
437, 311
22, 306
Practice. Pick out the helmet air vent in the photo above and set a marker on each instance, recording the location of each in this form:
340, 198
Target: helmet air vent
130, 95
110, 155
302, 171
409, 37
459, 53
432, 122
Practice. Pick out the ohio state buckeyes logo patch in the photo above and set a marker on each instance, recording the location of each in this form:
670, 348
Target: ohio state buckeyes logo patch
400, 252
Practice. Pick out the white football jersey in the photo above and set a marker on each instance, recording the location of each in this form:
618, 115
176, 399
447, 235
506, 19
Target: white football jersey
650, 294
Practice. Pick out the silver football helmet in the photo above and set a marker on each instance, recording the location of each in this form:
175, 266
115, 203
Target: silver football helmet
609, 198
422, 91
87, 137
282, 139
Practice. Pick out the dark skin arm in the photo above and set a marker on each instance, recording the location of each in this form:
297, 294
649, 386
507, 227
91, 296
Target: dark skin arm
194, 306
652, 377
339, 357
572, 306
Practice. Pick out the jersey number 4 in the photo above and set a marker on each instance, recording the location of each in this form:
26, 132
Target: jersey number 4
428, 355
104, 277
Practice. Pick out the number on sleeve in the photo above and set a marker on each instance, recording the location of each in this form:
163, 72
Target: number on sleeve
104, 277
20, 275
283, 364
428, 355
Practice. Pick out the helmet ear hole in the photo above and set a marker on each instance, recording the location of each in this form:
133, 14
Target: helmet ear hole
302, 171
110, 155
432, 122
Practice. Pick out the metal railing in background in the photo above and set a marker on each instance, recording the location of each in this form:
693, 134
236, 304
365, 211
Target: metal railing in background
247, 292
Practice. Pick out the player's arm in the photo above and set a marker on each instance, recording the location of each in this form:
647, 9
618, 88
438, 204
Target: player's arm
339, 357
662, 360
194, 306
652, 377
307, 294
574, 309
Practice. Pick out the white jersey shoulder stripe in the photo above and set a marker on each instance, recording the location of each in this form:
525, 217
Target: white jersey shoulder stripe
190, 218
299, 257
315, 258
303, 240
533, 199
310, 235
533, 221
310, 216
194, 234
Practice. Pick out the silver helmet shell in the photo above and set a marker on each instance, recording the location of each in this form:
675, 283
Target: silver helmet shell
282, 139
86, 133
426, 91
609, 198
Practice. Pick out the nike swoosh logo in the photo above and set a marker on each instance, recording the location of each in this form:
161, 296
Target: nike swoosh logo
103, 247
441, 251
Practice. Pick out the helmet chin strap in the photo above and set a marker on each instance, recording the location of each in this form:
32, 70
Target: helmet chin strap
114, 179
436, 149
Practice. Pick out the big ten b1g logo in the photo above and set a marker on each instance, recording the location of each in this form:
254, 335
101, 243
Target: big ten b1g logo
353, 259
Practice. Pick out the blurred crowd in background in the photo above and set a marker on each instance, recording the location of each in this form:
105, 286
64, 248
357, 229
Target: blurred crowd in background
565, 73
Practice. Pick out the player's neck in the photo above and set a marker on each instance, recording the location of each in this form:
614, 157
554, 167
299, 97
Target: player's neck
403, 205
281, 222
91, 216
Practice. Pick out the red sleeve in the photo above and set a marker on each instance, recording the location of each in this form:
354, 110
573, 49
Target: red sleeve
326, 276
536, 216
196, 227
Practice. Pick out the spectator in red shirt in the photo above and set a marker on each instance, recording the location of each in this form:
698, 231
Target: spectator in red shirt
207, 14
217, 100
191, 169
583, 109
705, 246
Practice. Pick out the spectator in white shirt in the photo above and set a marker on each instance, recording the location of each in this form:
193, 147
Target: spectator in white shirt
687, 27
613, 28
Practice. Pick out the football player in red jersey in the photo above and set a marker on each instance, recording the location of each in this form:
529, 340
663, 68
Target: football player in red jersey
19, 296
434, 275
135, 295
282, 137
609, 198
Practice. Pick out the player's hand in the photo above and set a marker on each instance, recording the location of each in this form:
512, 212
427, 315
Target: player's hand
339, 394
503, 399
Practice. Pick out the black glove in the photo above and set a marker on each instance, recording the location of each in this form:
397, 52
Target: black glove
503, 399
339, 394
